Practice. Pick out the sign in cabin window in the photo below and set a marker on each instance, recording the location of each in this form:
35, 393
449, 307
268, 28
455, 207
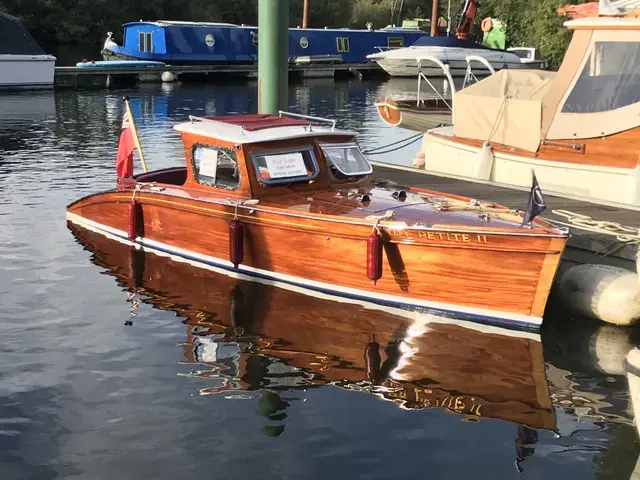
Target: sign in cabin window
215, 166
145, 44
395, 42
610, 79
285, 166
342, 44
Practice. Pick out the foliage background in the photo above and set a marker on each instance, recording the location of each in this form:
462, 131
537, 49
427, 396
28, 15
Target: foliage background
527, 23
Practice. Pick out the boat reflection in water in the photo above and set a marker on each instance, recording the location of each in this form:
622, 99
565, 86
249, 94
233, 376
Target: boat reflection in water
245, 335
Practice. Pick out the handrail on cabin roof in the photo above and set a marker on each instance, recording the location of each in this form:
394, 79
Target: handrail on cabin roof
308, 117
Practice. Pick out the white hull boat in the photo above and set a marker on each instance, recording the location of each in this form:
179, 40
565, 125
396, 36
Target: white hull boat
578, 128
26, 71
404, 62
23, 63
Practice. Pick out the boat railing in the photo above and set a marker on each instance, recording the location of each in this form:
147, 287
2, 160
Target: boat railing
421, 76
469, 75
308, 117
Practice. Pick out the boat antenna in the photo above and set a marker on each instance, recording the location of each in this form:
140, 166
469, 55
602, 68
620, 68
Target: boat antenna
449, 18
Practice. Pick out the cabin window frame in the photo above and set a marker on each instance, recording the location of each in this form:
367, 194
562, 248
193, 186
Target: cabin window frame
330, 162
285, 180
342, 44
215, 184
145, 42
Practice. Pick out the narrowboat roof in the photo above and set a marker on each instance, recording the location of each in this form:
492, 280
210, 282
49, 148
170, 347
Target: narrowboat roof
164, 23
252, 128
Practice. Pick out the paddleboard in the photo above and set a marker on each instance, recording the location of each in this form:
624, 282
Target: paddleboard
120, 63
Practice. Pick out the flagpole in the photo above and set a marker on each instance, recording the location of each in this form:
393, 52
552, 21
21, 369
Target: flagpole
136, 140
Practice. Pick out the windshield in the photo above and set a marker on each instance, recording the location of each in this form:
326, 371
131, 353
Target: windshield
285, 166
346, 160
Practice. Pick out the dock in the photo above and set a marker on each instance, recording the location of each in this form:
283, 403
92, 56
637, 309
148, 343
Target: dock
105, 77
583, 246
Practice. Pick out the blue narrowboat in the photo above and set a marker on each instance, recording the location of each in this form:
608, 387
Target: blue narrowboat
176, 42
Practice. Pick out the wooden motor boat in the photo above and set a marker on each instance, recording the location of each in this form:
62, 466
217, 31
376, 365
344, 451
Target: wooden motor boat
293, 201
246, 335
578, 128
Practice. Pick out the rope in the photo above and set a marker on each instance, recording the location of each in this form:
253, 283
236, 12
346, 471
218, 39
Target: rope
622, 233
410, 140
387, 215
499, 116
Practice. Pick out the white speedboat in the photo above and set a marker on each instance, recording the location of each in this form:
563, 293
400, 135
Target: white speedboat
452, 51
405, 62
23, 63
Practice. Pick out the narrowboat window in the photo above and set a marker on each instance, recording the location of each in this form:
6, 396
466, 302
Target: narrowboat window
345, 160
285, 166
395, 42
609, 80
215, 166
342, 44
144, 40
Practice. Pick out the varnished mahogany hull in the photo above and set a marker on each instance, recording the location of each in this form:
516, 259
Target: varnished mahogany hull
501, 279
497, 375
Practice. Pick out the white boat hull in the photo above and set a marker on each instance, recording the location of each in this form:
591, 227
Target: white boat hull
619, 186
404, 64
26, 71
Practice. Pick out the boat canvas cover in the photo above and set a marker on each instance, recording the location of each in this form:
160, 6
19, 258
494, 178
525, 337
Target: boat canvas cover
505, 108
15, 39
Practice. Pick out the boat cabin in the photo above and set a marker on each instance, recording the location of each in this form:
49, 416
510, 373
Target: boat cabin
255, 156
594, 95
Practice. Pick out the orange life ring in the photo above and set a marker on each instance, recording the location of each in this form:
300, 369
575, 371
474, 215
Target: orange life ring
486, 24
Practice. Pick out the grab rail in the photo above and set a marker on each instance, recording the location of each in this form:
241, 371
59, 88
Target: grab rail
445, 69
309, 117
469, 73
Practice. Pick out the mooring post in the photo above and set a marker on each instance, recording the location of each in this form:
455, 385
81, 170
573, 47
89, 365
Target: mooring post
434, 18
305, 13
273, 55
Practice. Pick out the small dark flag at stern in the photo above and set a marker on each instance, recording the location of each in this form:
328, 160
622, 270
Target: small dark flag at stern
535, 204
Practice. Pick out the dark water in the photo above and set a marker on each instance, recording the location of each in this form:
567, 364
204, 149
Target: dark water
121, 365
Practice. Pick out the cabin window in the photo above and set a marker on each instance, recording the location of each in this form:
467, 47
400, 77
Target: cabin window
342, 44
215, 166
395, 42
145, 44
285, 166
345, 160
609, 80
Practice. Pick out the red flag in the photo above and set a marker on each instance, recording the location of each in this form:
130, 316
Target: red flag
124, 157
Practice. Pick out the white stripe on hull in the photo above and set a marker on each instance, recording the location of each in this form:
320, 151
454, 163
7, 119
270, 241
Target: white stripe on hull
488, 317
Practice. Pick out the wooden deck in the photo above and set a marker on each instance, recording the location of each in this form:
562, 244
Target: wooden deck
582, 247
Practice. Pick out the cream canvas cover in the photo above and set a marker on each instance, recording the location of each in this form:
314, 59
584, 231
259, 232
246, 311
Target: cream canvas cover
505, 108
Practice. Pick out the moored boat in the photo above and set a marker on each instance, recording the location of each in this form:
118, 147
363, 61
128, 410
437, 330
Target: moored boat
23, 63
452, 50
291, 200
578, 127
176, 42
243, 334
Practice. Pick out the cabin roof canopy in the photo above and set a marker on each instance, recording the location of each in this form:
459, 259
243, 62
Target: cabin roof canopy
256, 128
15, 39
595, 93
